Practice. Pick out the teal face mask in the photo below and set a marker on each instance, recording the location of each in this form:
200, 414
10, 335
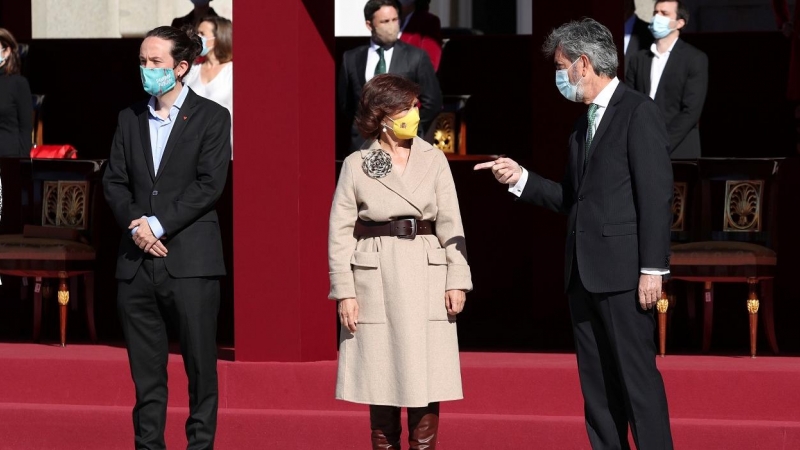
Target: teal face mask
157, 81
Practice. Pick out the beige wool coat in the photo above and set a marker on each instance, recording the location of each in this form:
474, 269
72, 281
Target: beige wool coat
405, 350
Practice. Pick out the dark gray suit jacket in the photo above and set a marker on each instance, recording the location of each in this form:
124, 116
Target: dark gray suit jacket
680, 96
181, 195
620, 206
408, 61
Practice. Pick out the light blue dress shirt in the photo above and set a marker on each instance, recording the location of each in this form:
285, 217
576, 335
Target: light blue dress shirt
160, 130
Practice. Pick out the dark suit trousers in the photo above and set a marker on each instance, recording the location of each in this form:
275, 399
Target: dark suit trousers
614, 340
145, 304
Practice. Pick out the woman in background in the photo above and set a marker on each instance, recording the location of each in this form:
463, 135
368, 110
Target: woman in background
213, 78
16, 104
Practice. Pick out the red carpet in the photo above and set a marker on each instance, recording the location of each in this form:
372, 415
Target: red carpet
80, 398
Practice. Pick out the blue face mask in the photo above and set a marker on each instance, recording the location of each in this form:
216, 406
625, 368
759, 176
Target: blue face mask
2, 59
157, 81
659, 26
567, 89
205, 47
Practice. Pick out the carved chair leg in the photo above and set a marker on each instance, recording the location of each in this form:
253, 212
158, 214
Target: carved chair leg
37, 309
752, 308
63, 301
767, 318
662, 306
88, 280
708, 314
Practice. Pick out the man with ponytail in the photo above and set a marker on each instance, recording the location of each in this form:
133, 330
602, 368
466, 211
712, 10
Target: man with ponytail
167, 168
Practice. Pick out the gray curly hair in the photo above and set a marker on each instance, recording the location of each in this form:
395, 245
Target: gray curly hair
585, 37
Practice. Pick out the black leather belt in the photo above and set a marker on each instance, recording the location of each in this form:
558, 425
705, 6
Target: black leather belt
401, 228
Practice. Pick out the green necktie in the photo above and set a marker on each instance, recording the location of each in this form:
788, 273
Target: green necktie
589, 132
381, 67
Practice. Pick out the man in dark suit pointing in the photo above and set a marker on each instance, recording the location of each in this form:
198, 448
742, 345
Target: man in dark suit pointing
617, 192
385, 54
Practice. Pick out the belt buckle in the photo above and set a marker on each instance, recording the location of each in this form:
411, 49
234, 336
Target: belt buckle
413, 234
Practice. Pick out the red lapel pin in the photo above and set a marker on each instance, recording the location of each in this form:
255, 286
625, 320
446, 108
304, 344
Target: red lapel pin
185, 117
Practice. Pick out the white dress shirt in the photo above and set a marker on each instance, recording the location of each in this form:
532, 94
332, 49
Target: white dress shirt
373, 58
657, 66
602, 100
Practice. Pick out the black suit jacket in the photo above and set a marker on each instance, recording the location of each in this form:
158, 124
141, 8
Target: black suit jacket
408, 61
620, 207
181, 195
680, 96
641, 38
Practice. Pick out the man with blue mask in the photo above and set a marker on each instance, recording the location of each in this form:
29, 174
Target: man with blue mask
675, 75
617, 194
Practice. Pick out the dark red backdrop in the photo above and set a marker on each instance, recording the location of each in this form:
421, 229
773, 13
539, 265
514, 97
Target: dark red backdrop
284, 110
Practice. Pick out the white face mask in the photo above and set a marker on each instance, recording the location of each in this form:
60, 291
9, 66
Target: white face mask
2, 58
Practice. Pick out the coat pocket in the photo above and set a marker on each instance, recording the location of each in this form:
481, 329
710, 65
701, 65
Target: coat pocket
369, 287
619, 229
437, 279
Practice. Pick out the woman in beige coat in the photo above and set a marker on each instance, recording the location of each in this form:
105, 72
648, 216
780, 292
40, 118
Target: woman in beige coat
398, 269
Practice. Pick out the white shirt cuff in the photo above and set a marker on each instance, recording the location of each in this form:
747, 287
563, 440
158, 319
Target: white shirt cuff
655, 271
520, 186
155, 227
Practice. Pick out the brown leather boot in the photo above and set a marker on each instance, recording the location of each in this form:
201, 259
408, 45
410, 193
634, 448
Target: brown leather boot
423, 427
386, 428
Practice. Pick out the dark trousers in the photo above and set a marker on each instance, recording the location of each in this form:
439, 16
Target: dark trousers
145, 304
614, 340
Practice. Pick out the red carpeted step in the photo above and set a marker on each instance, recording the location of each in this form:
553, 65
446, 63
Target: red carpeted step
709, 387
65, 427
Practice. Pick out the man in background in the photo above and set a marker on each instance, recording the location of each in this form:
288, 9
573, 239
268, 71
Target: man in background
675, 75
385, 54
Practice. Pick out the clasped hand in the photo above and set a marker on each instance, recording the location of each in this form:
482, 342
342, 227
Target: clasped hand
145, 239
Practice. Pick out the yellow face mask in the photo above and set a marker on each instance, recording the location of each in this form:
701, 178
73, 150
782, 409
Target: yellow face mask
406, 126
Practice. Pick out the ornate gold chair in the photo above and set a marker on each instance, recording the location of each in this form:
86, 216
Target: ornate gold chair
449, 130
58, 248
737, 246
